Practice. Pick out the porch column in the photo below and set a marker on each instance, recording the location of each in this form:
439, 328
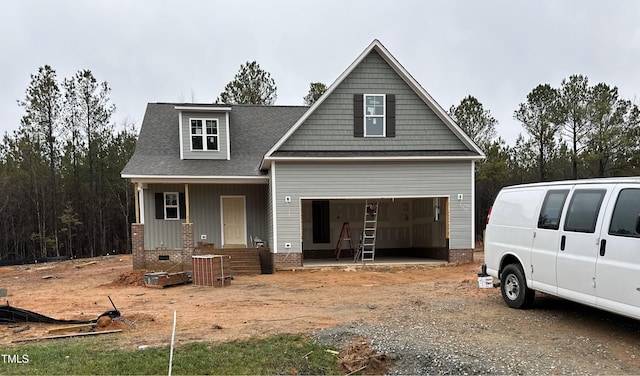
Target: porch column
136, 202
186, 203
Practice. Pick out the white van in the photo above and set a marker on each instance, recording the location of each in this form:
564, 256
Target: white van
578, 240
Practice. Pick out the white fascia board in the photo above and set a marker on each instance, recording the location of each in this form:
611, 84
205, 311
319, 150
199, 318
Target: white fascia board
202, 109
266, 162
364, 159
165, 179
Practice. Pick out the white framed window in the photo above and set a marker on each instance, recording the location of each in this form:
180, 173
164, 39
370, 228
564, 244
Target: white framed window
171, 205
204, 134
374, 115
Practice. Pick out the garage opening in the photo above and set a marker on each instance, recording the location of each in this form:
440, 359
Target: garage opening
407, 228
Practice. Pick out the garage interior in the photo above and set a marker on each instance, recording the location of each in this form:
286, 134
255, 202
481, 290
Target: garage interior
407, 228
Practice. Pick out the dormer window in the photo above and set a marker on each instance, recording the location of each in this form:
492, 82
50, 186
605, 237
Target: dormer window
374, 111
204, 134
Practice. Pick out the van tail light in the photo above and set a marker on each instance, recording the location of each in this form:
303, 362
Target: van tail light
489, 214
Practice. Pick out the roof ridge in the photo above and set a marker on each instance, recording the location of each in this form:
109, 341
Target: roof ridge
233, 105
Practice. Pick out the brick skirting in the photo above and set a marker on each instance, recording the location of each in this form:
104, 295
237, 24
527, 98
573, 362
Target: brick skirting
460, 255
287, 261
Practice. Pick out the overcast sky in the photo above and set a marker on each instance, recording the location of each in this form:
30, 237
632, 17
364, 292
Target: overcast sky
169, 51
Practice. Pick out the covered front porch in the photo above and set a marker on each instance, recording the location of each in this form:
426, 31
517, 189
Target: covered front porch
175, 221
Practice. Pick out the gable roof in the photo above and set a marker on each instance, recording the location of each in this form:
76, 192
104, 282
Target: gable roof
474, 151
253, 130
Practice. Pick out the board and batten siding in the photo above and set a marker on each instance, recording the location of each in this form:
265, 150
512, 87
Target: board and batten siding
204, 213
330, 127
185, 133
372, 180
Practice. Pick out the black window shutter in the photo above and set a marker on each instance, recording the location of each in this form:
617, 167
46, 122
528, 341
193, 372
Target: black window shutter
183, 205
391, 115
159, 205
358, 116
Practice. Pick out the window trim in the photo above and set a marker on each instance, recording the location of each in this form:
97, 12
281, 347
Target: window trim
365, 116
204, 134
176, 206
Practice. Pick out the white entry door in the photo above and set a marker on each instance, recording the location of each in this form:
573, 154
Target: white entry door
234, 230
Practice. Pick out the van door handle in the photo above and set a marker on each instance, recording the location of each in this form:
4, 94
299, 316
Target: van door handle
563, 240
603, 246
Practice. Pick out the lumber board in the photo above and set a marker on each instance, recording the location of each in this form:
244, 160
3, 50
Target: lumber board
71, 328
67, 336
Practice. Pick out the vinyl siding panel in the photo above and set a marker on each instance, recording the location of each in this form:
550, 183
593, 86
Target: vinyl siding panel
186, 135
373, 180
330, 127
204, 213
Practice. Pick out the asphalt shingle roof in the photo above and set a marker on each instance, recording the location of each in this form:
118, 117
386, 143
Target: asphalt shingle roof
254, 130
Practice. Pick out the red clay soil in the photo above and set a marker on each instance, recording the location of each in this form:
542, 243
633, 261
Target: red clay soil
298, 301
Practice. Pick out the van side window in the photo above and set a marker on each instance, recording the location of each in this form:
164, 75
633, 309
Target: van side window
626, 214
583, 210
552, 209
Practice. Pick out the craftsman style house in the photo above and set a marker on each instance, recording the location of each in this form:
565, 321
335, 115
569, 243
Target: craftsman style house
289, 177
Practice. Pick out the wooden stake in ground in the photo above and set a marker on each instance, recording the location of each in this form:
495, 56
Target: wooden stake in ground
173, 336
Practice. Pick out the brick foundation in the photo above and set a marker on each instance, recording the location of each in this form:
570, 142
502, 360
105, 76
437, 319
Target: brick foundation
287, 261
460, 255
172, 260
137, 245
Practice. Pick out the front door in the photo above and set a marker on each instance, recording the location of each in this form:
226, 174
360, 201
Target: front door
234, 233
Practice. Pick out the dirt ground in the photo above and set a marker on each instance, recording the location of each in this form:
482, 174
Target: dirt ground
304, 301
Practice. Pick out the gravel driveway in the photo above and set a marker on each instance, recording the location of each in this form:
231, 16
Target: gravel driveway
458, 333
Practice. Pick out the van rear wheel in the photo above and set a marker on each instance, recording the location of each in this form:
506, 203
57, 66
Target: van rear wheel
514, 287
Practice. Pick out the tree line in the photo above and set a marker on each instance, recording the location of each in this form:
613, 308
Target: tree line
576, 130
61, 194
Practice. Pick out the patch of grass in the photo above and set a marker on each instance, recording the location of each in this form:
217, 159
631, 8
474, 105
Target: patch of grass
282, 354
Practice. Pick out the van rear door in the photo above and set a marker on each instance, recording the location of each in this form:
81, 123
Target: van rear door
618, 265
579, 243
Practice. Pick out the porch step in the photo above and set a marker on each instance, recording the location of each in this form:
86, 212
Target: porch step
244, 261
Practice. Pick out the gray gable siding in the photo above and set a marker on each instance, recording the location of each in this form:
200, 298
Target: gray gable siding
186, 135
204, 213
330, 127
372, 180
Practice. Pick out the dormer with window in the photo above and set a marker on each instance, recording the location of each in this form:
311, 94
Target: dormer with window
204, 132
